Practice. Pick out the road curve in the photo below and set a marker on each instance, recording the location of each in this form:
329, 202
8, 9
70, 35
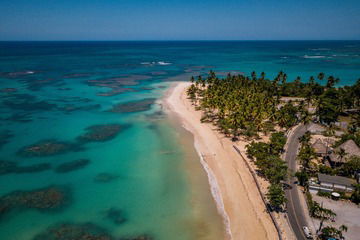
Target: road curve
295, 211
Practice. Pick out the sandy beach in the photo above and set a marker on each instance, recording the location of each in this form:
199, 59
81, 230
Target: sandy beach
233, 187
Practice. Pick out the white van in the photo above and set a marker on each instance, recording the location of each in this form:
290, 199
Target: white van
307, 232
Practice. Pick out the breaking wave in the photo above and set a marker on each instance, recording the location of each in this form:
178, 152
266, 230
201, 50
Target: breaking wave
317, 56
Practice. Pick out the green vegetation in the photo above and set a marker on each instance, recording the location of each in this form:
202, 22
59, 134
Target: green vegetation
248, 106
306, 153
276, 196
355, 197
349, 168
332, 232
318, 211
302, 177
241, 105
271, 166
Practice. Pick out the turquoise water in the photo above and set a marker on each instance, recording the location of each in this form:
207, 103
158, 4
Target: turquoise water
53, 91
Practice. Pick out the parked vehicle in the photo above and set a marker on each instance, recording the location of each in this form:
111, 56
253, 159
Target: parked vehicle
307, 232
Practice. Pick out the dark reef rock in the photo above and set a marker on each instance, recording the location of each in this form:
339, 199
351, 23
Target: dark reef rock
5, 137
105, 177
141, 237
26, 102
33, 168
72, 166
116, 216
135, 106
19, 117
101, 133
67, 108
8, 90
7, 167
69, 231
50, 198
47, 148
115, 92
117, 84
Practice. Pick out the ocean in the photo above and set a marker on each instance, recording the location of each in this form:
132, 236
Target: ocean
85, 143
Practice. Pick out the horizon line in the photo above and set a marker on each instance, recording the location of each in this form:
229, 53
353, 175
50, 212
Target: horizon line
189, 40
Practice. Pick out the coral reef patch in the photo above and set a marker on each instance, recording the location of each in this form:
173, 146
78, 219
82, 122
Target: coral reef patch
48, 147
116, 216
117, 84
134, 106
45, 199
101, 133
5, 137
72, 165
71, 231
7, 167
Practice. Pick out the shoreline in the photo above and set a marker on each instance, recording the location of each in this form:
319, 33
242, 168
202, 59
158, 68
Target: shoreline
232, 186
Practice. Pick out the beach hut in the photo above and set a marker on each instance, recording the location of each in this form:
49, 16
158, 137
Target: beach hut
349, 148
321, 148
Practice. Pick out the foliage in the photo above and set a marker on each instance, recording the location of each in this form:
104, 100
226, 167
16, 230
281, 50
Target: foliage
324, 194
305, 138
243, 105
349, 168
355, 196
318, 211
287, 116
267, 158
328, 107
332, 232
277, 142
327, 170
306, 154
302, 177
258, 150
276, 196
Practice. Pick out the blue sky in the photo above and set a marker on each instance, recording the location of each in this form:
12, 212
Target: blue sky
179, 19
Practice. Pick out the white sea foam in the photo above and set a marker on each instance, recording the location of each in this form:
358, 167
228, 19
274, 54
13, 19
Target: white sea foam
316, 56
215, 190
156, 63
163, 63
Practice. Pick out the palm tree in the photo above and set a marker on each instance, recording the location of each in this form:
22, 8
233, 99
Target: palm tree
342, 153
321, 76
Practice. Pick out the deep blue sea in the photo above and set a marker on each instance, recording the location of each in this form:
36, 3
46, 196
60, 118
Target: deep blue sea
84, 140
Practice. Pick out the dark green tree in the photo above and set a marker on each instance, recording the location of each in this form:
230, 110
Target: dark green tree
276, 196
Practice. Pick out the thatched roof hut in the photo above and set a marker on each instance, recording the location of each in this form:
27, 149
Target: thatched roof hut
350, 148
320, 147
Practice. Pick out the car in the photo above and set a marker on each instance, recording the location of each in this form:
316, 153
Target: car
307, 232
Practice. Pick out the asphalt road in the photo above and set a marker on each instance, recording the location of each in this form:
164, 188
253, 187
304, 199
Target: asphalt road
294, 210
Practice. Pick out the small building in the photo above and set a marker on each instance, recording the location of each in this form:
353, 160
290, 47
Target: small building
336, 183
316, 128
328, 183
350, 148
321, 148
